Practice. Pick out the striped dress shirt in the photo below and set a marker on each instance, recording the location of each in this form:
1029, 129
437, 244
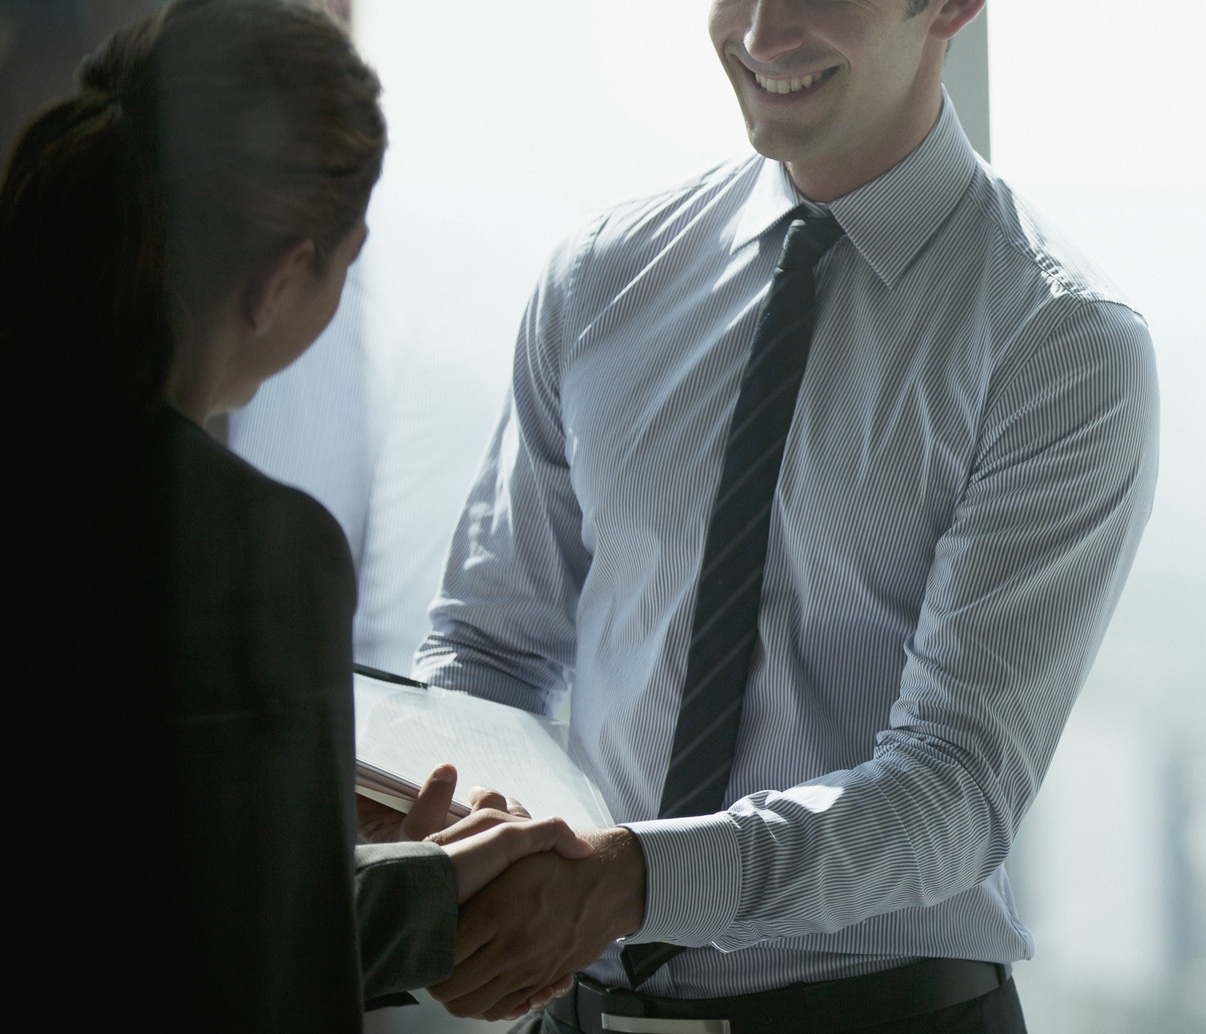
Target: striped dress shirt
968, 472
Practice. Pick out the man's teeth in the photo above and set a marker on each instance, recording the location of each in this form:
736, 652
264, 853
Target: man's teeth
788, 85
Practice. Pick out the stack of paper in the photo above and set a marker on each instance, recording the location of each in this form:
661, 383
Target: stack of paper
403, 733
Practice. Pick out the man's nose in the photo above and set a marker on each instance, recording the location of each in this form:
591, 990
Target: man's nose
776, 27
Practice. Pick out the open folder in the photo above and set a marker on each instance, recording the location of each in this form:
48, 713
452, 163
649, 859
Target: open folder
403, 732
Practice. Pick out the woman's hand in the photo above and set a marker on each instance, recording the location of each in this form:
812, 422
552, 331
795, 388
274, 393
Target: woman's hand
488, 842
497, 833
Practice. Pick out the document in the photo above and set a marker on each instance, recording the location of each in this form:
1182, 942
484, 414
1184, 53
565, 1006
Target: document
402, 733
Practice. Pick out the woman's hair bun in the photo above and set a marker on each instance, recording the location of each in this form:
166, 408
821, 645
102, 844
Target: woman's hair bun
121, 70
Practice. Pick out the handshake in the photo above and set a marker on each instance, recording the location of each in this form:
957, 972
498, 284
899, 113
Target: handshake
538, 901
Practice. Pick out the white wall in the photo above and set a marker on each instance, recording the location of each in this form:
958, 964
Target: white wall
1096, 121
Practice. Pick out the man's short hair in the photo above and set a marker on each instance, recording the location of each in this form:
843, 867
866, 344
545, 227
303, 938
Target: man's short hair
916, 7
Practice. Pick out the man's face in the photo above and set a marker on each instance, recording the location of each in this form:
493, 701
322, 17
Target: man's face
841, 90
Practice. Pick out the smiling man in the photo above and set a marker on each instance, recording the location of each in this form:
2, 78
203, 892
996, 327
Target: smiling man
818, 482
840, 92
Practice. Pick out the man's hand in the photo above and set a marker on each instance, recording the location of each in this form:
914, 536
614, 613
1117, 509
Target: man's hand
484, 845
428, 816
494, 835
380, 824
543, 919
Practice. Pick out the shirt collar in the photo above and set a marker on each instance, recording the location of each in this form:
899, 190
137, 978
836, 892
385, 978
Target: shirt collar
771, 197
890, 219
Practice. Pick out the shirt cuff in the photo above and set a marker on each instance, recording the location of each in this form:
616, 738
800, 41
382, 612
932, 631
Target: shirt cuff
692, 878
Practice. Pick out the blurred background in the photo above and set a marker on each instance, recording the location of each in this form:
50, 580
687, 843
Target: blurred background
512, 122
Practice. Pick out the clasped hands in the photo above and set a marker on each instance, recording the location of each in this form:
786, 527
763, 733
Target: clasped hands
538, 902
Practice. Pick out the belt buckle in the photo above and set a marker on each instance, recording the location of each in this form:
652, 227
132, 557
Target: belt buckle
649, 1025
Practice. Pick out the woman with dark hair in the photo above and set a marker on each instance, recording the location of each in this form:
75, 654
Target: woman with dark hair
171, 235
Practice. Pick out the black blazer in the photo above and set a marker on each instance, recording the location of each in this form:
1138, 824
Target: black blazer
179, 746
264, 593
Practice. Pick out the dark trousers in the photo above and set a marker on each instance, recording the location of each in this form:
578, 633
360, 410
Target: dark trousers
998, 1012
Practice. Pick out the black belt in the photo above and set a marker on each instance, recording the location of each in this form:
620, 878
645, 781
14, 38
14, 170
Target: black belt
824, 1008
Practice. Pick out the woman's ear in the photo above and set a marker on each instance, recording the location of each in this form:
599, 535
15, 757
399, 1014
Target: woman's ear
276, 284
951, 15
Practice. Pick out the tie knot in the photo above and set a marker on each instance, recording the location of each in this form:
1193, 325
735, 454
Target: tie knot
809, 236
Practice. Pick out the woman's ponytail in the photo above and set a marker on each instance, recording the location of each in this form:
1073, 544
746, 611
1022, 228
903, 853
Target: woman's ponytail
83, 312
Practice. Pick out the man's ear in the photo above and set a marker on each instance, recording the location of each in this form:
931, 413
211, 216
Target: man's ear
274, 284
950, 16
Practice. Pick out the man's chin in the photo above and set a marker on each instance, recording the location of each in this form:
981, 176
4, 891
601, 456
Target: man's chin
781, 146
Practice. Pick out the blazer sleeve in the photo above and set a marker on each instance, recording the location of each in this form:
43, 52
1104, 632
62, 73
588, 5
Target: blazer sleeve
406, 912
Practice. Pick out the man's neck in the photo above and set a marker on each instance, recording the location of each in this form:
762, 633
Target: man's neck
828, 179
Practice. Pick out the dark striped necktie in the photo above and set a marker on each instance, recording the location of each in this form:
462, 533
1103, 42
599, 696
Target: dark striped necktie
725, 625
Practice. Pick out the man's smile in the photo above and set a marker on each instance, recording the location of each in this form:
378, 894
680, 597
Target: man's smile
792, 85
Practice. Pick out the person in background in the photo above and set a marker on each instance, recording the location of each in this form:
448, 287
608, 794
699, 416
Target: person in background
338, 425
173, 233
